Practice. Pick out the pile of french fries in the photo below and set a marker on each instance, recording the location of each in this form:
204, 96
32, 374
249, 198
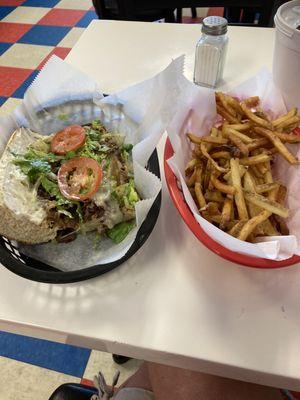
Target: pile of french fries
230, 176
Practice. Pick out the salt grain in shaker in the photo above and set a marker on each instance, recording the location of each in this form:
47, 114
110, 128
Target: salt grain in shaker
211, 52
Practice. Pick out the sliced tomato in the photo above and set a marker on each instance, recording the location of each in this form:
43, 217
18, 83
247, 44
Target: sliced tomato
79, 178
296, 131
69, 139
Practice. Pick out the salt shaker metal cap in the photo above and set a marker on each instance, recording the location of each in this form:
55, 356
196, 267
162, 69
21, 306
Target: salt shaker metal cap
214, 25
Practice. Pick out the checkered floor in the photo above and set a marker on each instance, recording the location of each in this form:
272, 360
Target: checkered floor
30, 32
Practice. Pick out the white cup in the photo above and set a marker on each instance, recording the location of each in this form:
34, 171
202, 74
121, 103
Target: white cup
286, 58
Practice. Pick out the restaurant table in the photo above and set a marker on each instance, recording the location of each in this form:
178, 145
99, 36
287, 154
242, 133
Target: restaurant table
174, 301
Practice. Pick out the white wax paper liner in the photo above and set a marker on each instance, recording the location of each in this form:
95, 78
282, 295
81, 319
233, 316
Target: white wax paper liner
197, 113
60, 96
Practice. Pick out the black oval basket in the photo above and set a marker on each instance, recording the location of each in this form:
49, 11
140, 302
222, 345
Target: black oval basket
35, 270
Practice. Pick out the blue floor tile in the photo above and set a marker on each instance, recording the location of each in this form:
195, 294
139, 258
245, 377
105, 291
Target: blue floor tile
4, 11
45, 35
58, 357
4, 47
19, 93
86, 19
40, 3
2, 100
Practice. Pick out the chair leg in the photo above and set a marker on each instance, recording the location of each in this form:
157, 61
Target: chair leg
179, 15
194, 12
169, 15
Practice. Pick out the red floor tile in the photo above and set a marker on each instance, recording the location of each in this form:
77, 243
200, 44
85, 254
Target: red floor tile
61, 52
11, 32
12, 2
11, 79
62, 17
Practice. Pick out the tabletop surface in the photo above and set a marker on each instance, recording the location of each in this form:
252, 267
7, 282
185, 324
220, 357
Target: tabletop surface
174, 302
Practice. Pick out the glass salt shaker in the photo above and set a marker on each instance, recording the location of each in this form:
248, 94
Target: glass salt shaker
211, 52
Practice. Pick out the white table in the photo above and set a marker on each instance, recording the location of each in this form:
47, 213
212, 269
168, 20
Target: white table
174, 302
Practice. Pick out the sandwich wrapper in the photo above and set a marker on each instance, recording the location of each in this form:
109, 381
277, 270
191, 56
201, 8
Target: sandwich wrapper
197, 114
62, 95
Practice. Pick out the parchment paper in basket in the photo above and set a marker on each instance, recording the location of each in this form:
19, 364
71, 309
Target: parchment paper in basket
197, 113
141, 113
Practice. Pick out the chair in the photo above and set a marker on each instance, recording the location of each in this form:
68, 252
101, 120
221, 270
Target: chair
73, 391
132, 9
118, 10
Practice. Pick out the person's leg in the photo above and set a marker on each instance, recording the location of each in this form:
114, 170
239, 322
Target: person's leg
180, 384
138, 380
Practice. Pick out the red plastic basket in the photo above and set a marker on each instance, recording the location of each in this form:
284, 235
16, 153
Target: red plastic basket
211, 244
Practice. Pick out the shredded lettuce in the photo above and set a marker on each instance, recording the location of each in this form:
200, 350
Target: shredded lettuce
33, 168
118, 233
126, 194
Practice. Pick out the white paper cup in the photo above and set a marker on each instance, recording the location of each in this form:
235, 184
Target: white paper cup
286, 58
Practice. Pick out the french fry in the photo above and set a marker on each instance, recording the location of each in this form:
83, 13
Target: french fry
221, 111
266, 187
266, 204
235, 230
206, 176
268, 174
192, 179
213, 208
214, 196
221, 154
287, 138
198, 177
244, 138
222, 187
235, 105
252, 224
194, 139
242, 127
254, 118
283, 228
237, 142
253, 160
206, 154
238, 196
214, 140
281, 194
226, 213
211, 218
214, 132
284, 117
257, 144
288, 122
189, 169
199, 195
223, 100
278, 144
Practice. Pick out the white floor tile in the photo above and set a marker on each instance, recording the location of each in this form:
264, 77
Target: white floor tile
71, 37
20, 381
104, 362
75, 4
26, 15
21, 55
